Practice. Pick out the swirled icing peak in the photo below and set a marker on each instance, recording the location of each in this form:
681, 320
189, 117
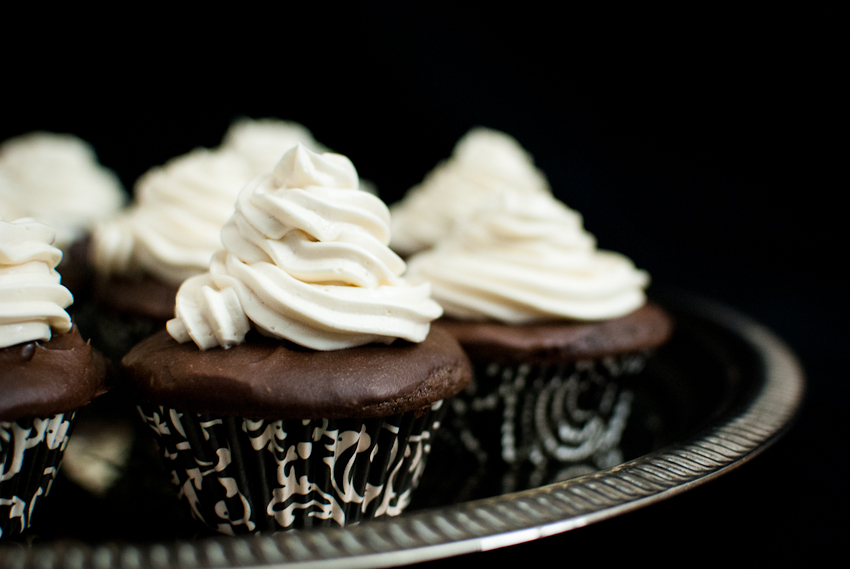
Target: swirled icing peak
262, 141
32, 300
484, 163
305, 259
173, 228
525, 258
57, 179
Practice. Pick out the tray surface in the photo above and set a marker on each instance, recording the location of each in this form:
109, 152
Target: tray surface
720, 393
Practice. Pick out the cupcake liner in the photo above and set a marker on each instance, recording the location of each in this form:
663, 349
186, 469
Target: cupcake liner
30, 453
535, 424
241, 475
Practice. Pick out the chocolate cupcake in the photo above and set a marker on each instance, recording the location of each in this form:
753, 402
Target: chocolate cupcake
47, 371
313, 388
554, 329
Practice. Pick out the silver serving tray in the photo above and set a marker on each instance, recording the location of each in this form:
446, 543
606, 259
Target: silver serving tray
753, 380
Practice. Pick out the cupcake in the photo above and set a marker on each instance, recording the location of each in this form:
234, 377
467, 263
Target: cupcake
47, 371
170, 233
553, 327
57, 179
484, 163
298, 384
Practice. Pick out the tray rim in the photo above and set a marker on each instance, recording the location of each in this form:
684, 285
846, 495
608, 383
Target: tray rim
500, 521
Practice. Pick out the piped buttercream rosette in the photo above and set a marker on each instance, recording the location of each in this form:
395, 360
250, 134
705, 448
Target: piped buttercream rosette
32, 300
525, 258
172, 230
484, 163
57, 179
261, 142
305, 259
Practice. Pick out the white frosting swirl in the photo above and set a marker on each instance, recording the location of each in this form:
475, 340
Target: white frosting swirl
484, 163
305, 259
32, 301
174, 226
9, 208
526, 258
263, 141
57, 179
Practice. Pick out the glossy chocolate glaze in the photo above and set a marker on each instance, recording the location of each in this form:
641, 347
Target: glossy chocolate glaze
561, 342
266, 378
140, 295
41, 379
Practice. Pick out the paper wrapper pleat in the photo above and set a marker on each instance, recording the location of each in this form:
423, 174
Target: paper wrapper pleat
240, 475
30, 453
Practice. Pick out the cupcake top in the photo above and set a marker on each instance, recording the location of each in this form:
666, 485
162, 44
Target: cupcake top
57, 179
484, 163
173, 229
526, 258
265, 378
45, 366
306, 260
261, 142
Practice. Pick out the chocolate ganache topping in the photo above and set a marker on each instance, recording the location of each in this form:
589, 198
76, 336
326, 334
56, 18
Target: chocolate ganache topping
266, 378
561, 341
43, 378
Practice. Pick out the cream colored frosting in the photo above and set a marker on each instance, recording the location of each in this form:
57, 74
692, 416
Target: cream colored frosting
173, 228
525, 258
263, 141
32, 300
305, 259
484, 163
9, 208
57, 179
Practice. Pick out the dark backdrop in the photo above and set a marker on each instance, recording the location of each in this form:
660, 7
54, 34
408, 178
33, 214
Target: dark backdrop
700, 144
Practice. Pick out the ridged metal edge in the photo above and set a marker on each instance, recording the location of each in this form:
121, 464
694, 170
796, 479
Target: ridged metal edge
495, 522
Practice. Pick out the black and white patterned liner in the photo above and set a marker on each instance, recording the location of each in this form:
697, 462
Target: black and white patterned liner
536, 424
30, 453
241, 475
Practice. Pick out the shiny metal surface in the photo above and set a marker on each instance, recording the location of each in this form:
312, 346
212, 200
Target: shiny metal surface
763, 391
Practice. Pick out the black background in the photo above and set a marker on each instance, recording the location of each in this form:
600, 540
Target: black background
702, 144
